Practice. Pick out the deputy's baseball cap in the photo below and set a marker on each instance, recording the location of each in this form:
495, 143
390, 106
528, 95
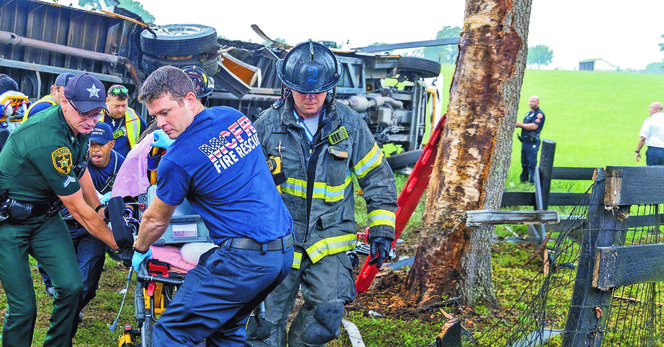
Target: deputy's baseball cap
85, 93
63, 78
101, 133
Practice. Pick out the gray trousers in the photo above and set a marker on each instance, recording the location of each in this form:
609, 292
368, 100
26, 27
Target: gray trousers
327, 286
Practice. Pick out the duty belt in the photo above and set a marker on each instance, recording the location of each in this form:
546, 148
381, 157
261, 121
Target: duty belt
280, 244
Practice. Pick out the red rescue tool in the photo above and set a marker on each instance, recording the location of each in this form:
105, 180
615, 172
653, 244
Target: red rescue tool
407, 201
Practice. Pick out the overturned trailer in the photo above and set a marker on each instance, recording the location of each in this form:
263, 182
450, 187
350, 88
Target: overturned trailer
39, 40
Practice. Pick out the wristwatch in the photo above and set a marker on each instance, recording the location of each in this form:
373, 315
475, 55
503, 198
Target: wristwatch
637, 152
139, 251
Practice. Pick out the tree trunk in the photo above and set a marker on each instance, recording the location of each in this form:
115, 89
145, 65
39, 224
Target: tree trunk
474, 154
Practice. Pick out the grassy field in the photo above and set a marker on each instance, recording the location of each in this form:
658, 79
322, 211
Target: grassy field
594, 117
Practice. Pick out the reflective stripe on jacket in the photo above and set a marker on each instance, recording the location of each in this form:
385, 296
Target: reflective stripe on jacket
47, 99
344, 147
132, 124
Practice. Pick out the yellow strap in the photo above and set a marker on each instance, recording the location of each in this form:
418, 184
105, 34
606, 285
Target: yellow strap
297, 260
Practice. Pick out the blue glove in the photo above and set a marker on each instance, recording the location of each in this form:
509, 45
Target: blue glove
380, 248
138, 258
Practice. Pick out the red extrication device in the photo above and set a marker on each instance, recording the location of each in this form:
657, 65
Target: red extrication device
407, 201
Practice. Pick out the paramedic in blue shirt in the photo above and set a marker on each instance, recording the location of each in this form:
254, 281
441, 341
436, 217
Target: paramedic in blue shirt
217, 164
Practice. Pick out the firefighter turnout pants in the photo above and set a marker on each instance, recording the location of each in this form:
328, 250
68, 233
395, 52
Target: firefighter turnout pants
327, 286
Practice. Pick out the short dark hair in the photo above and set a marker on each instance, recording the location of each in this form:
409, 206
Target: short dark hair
118, 91
166, 79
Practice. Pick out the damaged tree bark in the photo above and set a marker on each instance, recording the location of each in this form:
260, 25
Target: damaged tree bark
474, 155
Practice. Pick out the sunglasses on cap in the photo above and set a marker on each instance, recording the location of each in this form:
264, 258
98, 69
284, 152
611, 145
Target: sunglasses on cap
96, 113
119, 91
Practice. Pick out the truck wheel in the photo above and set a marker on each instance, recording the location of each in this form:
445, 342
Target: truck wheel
422, 67
177, 40
151, 63
401, 160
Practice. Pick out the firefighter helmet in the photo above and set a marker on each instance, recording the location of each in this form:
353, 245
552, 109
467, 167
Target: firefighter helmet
309, 67
203, 85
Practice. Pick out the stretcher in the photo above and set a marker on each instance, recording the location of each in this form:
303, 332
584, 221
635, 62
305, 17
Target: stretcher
156, 281
156, 286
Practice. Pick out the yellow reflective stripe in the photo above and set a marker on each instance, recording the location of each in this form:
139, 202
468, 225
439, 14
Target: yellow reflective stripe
331, 193
331, 245
133, 126
369, 162
297, 260
294, 186
322, 190
381, 217
47, 98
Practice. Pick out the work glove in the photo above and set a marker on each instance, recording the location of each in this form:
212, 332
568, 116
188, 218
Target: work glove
138, 258
380, 248
123, 254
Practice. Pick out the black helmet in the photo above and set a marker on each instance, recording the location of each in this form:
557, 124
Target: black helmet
7, 83
309, 67
203, 85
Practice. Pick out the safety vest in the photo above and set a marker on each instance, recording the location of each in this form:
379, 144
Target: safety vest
48, 98
133, 126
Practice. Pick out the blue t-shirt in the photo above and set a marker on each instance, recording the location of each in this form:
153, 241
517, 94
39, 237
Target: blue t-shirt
217, 164
100, 175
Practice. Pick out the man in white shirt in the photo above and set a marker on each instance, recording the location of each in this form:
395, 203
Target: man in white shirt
652, 134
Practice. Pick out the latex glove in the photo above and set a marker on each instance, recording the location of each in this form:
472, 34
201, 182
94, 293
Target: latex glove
138, 258
380, 248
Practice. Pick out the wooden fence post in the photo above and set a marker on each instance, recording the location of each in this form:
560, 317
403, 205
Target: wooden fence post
588, 309
546, 170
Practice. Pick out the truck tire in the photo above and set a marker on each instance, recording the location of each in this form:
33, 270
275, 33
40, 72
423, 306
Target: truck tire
422, 67
151, 63
177, 40
401, 160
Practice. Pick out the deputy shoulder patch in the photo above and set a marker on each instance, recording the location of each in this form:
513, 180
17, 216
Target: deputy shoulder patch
62, 160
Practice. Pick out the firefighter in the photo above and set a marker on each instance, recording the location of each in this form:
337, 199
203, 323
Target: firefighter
127, 125
215, 163
320, 145
57, 89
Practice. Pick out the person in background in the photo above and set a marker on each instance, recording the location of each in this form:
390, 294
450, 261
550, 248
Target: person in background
216, 163
531, 127
103, 165
51, 149
127, 125
7, 84
13, 106
49, 100
320, 145
652, 134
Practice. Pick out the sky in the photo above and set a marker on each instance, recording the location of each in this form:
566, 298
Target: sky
625, 34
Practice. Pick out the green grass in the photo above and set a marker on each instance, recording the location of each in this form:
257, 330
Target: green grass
594, 117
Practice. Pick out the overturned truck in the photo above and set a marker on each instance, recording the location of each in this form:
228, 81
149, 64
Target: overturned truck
396, 95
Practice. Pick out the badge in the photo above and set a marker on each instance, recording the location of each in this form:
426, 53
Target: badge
339, 154
62, 160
